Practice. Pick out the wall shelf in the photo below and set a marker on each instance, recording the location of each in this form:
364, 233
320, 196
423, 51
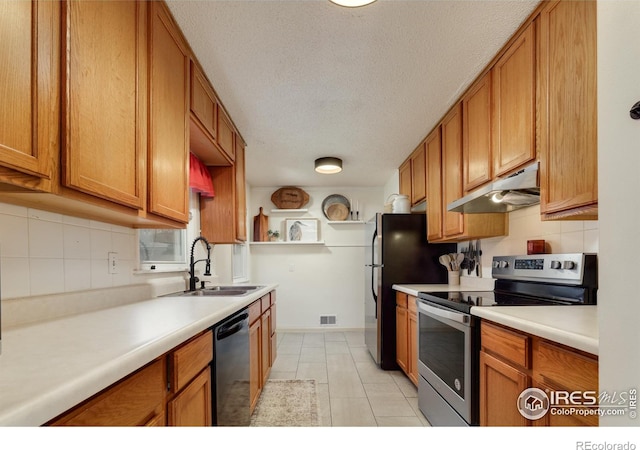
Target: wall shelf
345, 222
286, 243
286, 211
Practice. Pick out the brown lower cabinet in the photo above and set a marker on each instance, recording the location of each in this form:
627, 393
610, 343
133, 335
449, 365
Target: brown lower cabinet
512, 361
173, 390
407, 335
262, 344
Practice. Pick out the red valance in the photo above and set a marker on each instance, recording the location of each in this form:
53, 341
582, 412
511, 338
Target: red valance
199, 177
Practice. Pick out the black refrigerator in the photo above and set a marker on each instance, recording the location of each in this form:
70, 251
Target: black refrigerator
396, 252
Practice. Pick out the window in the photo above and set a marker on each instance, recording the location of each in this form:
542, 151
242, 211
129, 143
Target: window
162, 250
240, 262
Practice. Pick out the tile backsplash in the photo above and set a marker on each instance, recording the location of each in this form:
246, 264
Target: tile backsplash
564, 236
46, 253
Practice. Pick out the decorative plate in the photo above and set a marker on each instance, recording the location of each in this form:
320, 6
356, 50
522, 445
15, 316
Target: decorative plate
336, 207
289, 197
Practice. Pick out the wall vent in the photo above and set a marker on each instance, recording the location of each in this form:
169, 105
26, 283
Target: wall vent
328, 320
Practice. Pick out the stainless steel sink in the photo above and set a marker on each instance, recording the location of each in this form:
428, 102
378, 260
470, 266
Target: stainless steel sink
221, 291
216, 293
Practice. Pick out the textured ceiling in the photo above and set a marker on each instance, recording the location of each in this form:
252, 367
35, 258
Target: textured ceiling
304, 79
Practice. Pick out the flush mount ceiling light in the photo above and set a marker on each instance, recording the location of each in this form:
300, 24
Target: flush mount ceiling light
328, 165
352, 3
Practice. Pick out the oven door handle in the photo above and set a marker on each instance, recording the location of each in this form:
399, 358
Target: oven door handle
444, 313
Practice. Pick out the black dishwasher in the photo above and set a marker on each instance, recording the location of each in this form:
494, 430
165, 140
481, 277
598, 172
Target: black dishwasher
231, 402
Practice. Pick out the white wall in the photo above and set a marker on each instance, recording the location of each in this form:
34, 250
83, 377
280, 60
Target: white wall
315, 280
618, 169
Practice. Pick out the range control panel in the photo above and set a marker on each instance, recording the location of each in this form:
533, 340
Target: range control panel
562, 268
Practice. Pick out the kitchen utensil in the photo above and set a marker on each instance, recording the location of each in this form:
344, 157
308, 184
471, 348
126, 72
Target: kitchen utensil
444, 260
459, 259
336, 207
472, 262
478, 263
464, 264
260, 227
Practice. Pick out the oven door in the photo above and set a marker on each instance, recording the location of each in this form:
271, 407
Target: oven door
445, 357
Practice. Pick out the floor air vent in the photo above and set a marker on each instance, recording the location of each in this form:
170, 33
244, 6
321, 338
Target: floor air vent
328, 320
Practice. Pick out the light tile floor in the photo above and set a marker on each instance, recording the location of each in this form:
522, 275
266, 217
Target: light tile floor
352, 389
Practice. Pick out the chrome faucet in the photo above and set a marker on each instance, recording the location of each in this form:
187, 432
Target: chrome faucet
207, 272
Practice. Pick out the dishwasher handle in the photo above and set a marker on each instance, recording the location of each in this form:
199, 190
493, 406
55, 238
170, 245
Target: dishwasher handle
231, 327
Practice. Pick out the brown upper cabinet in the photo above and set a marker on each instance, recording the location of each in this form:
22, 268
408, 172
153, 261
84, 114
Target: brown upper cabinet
29, 111
536, 99
205, 110
405, 178
412, 173
103, 101
105, 60
418, 175
168, 158
514, 103
476, 135
225, 134
433, 151
451, 169
455, 226
568, 111
223, 217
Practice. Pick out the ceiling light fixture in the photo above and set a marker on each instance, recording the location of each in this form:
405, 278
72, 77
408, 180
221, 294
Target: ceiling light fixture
328, 165
352, 3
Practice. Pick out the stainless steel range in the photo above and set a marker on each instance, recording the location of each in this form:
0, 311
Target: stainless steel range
449, 335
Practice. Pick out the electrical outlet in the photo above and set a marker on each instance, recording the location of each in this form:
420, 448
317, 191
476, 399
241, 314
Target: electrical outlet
292, 267
113, 263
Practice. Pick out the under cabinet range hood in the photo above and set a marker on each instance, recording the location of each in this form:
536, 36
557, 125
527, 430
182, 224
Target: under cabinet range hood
516, 191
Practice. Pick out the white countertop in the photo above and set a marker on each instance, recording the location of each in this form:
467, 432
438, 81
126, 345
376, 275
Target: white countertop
574, 326
49, 367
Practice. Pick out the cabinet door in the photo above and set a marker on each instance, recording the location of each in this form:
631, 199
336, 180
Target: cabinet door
203, 101
29, 110
225, 136
401, 337
241, 191
514, 102
274, 341
104, 99
192, 406
405, 178
168, 158
434, 185
418, 172
412, 353
568, 110
476, 135
500, 386
452, 170
255, 362
134, 401
265, 344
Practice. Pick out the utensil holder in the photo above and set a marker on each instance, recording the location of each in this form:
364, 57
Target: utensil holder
454, 277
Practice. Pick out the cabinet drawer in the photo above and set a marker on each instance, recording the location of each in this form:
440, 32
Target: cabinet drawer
189, 360
133, 401
255, 310
512, 346
401, 299
265, 300
411, 304
564, 368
